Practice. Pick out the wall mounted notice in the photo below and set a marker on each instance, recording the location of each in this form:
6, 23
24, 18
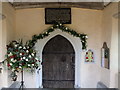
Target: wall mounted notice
62, 15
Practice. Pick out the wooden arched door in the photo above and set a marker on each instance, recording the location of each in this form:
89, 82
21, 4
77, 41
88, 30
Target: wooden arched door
58, 63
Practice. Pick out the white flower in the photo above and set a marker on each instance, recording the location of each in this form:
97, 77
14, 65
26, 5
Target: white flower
28, 64
32, 64
24, 48
20, 54
20, 67
15, 45
10, 54
60, 24
12, 59
83, 41
30, 56
24, 57
20, 47
27, 51
10, 63
36, 58
86, 36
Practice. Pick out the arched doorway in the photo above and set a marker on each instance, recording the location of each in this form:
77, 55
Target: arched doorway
58, 68
76, 43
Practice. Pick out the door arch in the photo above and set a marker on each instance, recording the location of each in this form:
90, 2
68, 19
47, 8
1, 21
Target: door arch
76, 43
58, 68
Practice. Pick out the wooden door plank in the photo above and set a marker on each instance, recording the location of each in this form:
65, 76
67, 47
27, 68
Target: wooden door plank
58, 64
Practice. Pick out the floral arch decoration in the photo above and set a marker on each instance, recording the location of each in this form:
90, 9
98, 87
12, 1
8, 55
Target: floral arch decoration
63, 28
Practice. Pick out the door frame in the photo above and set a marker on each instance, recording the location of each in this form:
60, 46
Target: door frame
76, 43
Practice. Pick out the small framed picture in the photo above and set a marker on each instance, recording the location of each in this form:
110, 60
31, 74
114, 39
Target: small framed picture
89, 57
105, 58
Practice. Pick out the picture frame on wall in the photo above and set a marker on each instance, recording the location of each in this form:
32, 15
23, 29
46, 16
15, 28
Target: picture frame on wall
89, 56
105, 56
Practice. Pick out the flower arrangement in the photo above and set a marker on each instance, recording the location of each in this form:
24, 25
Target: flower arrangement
63, 28
21, 56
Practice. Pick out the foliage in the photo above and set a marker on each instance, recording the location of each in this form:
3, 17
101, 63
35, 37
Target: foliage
83, 37
21, 56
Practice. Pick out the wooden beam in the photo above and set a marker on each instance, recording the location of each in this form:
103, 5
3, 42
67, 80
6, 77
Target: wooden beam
88, 5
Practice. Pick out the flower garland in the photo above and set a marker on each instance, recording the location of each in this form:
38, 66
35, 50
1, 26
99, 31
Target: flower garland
20, 56
60, 26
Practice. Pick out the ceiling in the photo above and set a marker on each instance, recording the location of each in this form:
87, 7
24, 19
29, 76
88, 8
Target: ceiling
23, 4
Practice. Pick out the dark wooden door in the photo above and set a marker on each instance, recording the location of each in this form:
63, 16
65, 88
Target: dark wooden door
58, 63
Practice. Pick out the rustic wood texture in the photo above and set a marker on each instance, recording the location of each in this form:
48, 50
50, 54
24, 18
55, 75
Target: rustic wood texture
58, 64
88, 5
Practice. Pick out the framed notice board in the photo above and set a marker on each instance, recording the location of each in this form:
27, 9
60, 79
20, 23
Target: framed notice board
105, 62
62, 15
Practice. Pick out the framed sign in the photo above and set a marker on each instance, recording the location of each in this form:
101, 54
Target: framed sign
105, 58
62, 15
89, 57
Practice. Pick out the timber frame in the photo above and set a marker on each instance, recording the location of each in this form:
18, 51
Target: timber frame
87, 5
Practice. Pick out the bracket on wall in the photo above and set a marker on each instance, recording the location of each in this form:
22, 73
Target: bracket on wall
2, 16
0, 67
0, 70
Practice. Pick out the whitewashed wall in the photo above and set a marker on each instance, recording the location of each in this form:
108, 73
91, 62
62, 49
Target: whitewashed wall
31, 21
96, 23
110, 35
6, 34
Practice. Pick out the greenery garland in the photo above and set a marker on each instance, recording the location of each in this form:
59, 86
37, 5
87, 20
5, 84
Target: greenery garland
60, 26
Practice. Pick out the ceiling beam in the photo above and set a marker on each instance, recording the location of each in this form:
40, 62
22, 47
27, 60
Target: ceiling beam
88, 5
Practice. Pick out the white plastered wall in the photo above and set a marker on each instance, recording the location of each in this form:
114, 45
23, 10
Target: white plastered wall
6, 35
110, 35
31, 21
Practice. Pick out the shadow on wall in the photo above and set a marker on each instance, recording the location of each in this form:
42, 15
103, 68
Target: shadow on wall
118, 80
117, 76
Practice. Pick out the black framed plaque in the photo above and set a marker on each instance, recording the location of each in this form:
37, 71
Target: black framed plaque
62, 15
